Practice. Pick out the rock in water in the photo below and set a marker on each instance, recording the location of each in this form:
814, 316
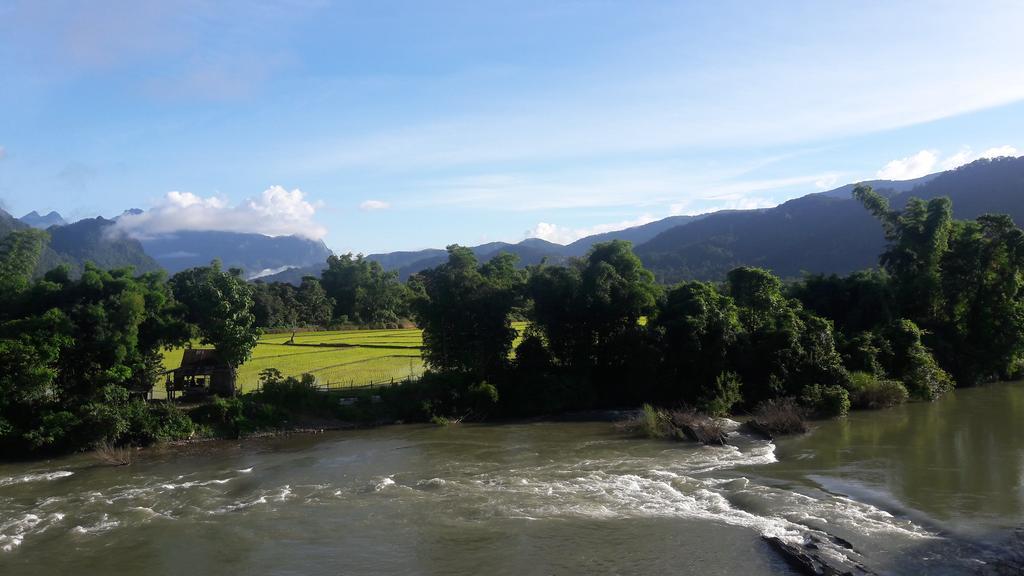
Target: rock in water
807, 559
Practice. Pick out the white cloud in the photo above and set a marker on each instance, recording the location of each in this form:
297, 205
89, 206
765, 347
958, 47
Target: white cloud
564, 235
826, 182
911, 167
275, 212
928, 161
750, 203
374, 205
1004, 150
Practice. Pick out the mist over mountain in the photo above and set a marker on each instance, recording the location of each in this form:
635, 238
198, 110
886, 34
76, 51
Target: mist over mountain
253, 253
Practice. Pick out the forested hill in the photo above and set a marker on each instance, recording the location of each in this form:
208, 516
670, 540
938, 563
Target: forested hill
822, 233
530, 251
85, 241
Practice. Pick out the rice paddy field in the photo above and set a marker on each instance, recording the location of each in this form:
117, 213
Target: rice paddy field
335, 358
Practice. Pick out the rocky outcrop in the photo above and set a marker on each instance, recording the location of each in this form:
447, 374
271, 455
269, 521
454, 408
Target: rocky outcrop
807, 558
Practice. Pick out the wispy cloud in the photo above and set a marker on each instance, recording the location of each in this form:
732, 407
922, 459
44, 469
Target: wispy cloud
370, 205
928, 161
275, 212
649, 187
566, 235
181, 49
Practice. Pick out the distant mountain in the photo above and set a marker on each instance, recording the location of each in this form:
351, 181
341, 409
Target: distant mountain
530, 251
9, 223
396, 260
90, 240
256, 254
85, 241
637, 234
34, 220
823, 232
884, 187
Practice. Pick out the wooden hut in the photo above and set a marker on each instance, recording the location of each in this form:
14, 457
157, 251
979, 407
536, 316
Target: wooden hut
201, 373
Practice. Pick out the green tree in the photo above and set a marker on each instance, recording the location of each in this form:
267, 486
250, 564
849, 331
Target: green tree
981, 337
700, 328
463, 310
219, 304
19, 254
917, 237
784, 348
588, 307
363, 291
315, 307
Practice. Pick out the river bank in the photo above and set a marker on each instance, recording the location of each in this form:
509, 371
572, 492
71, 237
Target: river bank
923, 488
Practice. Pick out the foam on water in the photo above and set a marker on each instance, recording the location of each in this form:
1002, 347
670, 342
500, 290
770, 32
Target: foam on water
37, 477
681, 482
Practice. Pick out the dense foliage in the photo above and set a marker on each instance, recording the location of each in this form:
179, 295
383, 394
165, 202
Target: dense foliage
72, 350
945, 308
363, 292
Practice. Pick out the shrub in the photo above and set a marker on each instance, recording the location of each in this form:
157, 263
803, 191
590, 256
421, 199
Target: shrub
170, 423
719, 398
113, 455
826, 401
778, 416
55, 431
648, 423
866, 391
482, 397
698, 427
290, 393
925, 380
913, 363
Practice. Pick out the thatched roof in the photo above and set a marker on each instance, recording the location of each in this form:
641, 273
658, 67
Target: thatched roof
200, 361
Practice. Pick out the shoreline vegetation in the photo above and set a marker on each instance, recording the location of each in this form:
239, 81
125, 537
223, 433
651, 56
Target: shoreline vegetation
79, 355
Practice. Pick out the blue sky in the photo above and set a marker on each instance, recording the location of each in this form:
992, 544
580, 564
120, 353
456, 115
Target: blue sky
382, 125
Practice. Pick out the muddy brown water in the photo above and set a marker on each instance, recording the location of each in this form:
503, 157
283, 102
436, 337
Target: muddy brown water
924, 488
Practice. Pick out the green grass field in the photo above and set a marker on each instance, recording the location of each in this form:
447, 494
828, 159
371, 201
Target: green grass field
336, 358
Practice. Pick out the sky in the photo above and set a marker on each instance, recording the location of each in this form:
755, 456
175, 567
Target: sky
381, 126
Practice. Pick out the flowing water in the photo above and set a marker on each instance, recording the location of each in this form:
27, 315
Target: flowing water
925, 488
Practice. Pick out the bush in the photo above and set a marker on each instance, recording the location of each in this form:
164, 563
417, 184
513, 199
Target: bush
648, 423
778, 416
925, 380
719, 398
698, 427
482, 397
826, 401
868, 392
170, 423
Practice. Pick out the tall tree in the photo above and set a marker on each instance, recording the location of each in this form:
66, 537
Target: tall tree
315, 307
220, 305
701, 328
19, 254
917, 237
463, 310
363, 291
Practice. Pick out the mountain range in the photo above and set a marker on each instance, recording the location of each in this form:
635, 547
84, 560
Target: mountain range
34, 220
824, 232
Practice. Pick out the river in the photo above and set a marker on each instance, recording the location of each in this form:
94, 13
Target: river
924, 488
